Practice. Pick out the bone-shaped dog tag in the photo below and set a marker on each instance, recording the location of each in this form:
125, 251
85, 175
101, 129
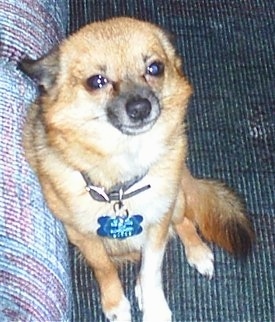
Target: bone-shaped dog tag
119, 227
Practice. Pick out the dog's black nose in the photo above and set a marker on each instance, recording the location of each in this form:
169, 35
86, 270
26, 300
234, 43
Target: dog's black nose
138, 108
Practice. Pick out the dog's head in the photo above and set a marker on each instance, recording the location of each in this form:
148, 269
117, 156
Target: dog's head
111, 79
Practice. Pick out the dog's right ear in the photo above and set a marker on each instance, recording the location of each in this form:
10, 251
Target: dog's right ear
43, 70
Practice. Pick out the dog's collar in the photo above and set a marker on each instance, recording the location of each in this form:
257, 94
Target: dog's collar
117, 192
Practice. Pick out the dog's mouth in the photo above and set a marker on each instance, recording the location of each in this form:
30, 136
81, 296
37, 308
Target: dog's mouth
134, 113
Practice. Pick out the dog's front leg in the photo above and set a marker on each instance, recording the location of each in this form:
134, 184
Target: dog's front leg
149, 289
115, 305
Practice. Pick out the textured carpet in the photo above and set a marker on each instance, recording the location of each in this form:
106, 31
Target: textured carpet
228, 49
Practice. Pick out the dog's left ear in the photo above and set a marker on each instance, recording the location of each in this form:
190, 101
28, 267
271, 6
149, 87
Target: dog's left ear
43, 70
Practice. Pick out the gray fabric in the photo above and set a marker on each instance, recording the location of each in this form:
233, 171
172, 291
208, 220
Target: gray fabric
228, 49
34, 272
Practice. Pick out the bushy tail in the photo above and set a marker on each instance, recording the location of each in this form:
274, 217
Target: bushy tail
219, 214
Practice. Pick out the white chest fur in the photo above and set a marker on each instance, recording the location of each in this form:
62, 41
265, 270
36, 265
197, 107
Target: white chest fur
151, 205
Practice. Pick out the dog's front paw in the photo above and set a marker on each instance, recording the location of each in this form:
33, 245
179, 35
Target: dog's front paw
159, 312
201, 257
153, 304
120, 313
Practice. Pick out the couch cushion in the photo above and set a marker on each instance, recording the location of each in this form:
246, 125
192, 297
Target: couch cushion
34, 270
228, 50
31, 27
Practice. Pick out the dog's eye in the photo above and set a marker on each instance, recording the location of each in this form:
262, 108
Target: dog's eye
97, 81
155, 69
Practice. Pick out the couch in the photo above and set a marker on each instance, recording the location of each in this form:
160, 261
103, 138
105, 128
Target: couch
228, 49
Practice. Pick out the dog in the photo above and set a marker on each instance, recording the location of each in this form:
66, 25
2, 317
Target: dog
106, 138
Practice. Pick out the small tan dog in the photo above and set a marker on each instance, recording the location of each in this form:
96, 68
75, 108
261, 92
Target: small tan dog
107, 140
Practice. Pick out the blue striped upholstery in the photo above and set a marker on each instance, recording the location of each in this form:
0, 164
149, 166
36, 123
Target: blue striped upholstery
34, 269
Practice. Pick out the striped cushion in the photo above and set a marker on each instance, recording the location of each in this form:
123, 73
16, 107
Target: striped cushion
34, 269
31, 27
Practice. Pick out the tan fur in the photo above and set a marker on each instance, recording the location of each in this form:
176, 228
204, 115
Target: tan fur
67, 131
219, 213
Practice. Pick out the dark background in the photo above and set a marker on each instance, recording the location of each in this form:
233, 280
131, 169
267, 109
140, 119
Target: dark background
228, 49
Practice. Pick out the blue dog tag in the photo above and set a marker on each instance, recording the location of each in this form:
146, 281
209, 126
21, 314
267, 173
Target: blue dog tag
119, 227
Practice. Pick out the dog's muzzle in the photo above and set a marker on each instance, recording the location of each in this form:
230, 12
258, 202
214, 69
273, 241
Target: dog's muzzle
134, 111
